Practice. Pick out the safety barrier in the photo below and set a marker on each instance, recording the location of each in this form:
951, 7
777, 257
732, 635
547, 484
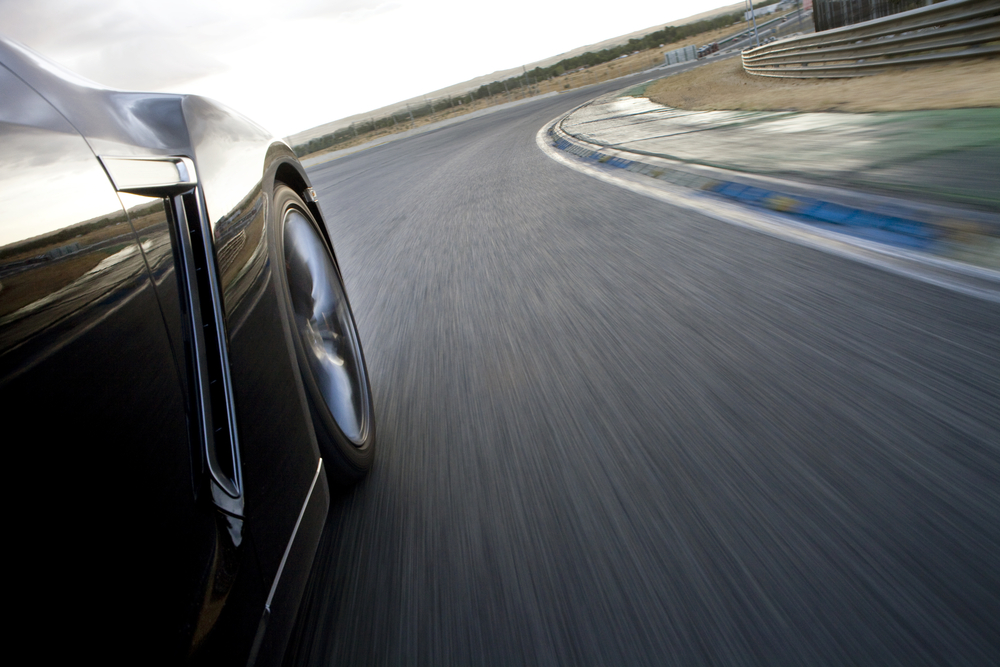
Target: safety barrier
681, 55
950, 30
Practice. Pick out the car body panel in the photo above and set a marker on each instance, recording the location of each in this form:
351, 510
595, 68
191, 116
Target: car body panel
96, 359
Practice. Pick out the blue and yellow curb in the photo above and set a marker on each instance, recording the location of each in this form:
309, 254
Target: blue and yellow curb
938, 237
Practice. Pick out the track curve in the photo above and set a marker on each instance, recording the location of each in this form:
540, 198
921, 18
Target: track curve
616, 432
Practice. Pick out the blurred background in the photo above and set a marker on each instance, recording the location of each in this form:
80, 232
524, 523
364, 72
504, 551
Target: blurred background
677, 357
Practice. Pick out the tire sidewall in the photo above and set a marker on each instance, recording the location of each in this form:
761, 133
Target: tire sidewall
345, 461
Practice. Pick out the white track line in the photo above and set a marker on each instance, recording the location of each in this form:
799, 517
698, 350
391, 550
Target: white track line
969, 280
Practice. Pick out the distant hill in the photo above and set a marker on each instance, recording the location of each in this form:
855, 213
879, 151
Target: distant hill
471, 84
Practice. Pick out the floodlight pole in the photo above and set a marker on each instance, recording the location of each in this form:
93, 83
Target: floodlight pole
753, 18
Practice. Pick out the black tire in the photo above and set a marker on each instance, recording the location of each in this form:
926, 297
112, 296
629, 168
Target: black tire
326, 341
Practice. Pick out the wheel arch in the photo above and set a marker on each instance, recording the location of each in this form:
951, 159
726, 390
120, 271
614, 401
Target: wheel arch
287, 170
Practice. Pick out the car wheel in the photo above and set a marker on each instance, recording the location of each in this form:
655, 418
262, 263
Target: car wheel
326, 342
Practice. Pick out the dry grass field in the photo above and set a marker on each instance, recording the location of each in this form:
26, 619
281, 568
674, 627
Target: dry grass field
634, 63
604, 72
724, 85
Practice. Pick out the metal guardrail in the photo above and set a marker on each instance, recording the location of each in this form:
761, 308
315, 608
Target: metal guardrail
950, 30
829, 14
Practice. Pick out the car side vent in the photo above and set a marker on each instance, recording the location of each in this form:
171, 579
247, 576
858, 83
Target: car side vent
212, 383
174, 178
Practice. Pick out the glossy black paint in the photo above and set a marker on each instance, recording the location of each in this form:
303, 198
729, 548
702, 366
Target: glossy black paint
98, 375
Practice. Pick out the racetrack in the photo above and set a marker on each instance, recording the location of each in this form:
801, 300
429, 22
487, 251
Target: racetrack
612, 432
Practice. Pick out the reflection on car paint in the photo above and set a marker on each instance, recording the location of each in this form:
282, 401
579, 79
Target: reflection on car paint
96, 335
76, 270
242, 257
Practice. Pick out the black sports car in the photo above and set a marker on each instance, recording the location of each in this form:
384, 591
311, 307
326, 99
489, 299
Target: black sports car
180, 372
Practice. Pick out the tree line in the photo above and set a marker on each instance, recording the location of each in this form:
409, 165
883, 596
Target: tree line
664, 36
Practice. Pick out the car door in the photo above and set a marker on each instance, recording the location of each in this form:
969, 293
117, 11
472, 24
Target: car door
112, 537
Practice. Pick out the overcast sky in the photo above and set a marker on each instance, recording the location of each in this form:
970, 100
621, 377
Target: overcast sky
294, 64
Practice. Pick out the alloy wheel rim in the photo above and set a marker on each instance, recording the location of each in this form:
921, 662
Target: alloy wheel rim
325, 327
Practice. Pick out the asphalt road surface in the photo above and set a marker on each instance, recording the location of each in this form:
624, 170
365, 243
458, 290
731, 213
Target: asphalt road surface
612, 432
